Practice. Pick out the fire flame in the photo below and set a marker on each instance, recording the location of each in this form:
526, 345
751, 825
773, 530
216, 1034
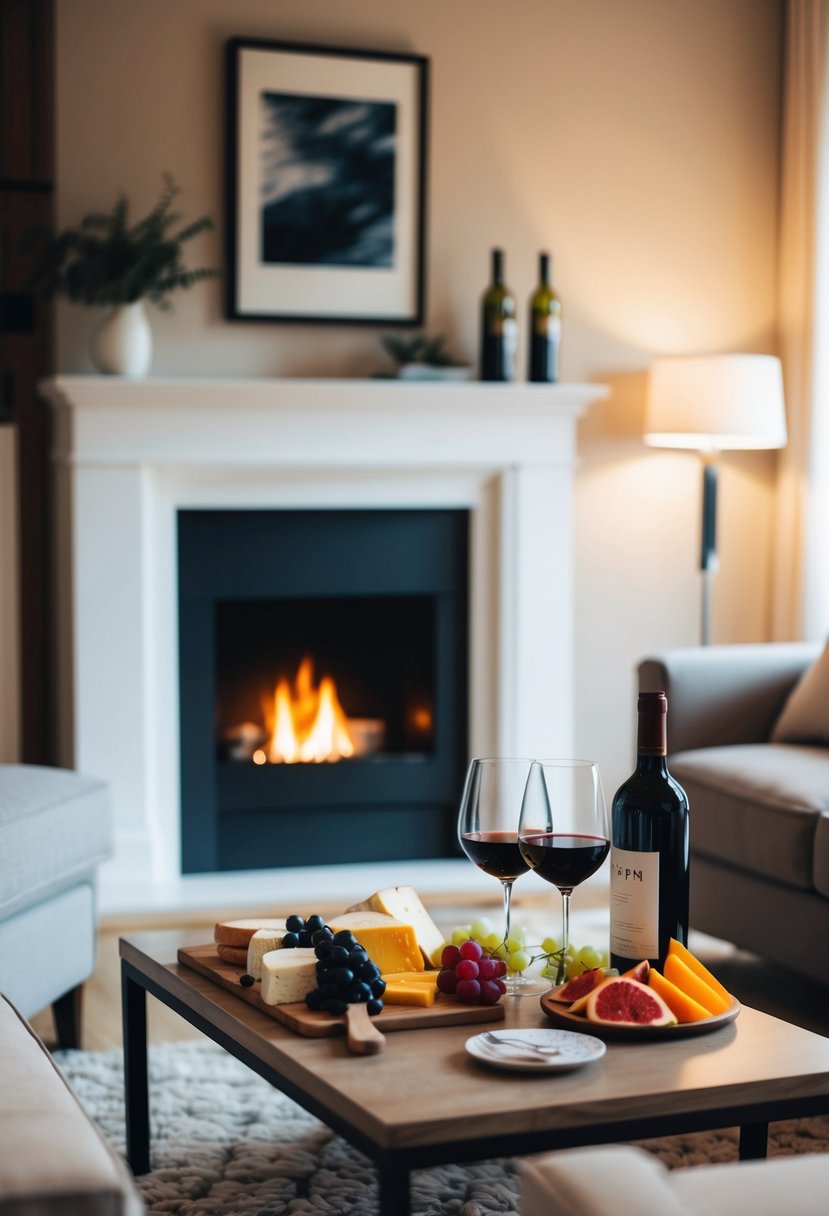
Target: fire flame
307, 724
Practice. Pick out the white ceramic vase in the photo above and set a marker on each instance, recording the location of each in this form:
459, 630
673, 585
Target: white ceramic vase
122, 342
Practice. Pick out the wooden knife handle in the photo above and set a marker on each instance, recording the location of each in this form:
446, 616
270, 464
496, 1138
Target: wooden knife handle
364, 1039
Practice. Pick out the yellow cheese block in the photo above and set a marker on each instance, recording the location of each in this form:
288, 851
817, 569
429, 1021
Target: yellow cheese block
391, 945
405, 905
425, 979
409, 994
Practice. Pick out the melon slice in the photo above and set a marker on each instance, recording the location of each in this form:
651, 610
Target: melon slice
684, 1006
625, 1002
680, 973
690, 960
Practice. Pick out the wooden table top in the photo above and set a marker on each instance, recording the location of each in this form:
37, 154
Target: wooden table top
425, 1089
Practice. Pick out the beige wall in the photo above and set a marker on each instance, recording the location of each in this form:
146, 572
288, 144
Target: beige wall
637, 139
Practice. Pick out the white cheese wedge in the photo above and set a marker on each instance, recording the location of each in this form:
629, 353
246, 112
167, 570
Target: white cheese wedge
262, 942
288, 975
404, 903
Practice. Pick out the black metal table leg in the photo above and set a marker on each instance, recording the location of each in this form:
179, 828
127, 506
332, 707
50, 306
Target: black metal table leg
394, 1191
754, 1141
136, 1091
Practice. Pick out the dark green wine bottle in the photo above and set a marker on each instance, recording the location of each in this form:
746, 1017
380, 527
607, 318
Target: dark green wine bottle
545, 327
499, 328
650, 854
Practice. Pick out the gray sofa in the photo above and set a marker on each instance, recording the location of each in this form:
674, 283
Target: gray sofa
55, 829
748, 740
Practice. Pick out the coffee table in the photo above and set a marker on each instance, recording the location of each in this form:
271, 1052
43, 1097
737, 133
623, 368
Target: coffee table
425, 1102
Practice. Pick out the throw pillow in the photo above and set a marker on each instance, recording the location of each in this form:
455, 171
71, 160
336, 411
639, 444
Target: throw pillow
805, 716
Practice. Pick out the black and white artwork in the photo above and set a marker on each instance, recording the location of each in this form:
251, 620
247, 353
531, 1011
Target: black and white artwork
326, 153
327, 181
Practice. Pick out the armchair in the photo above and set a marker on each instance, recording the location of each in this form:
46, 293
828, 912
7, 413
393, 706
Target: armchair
758, 785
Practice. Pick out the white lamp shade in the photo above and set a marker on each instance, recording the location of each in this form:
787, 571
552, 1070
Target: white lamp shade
713, 402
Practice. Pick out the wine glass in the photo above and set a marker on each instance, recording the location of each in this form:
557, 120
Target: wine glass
488, 834
563, 833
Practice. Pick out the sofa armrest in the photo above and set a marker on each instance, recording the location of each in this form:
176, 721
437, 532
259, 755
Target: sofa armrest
616, 1180
722, 695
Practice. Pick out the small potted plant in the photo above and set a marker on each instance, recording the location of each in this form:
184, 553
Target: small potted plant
420, 357
106, 262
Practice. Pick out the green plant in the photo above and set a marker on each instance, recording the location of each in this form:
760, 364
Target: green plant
105, 261
419, 349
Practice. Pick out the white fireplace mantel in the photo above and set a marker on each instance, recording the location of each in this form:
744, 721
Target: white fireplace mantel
130, 454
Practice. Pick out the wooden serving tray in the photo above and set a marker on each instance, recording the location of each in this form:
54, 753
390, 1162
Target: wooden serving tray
365, 1035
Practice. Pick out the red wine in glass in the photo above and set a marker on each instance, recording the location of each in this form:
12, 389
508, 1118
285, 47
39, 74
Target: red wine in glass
496, 853
564, 860
488, 833
563, 833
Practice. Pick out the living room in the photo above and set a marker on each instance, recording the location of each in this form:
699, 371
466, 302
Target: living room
642, 145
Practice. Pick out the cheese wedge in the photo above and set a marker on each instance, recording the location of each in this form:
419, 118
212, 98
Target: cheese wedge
424, 979
404, 903
239, 932
262, 942
422, 995
391, 944
288, 975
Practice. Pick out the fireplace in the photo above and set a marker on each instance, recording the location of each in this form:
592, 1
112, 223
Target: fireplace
323, 678
133, 457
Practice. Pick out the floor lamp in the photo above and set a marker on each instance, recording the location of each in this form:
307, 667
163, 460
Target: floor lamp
708, 404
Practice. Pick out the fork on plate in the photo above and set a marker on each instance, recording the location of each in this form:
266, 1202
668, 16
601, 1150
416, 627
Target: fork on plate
524, 1044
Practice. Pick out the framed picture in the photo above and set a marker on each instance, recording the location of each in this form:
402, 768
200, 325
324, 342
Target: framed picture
326, 184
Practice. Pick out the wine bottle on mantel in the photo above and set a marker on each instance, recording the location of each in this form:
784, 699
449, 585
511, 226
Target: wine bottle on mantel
649, 860
545, 327
499, 328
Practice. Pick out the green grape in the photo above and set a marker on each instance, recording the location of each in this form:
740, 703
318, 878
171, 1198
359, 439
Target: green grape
436, 956
550, 945
514, 943
461, 934
492, 941
481, 929
518, 960
589, 958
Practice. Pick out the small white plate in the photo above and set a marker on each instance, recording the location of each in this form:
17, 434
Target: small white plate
573, 1050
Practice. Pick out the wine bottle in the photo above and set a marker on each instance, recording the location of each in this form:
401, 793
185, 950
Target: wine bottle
545, 327
649, 860
499, 328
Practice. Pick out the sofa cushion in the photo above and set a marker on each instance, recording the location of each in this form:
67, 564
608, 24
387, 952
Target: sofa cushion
55, 827
821, 867
757, 806
805, 716
53, 1159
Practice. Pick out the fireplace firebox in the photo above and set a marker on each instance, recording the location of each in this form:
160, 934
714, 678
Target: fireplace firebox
323, 661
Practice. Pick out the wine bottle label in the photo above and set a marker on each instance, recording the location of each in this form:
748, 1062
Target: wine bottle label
634, 904
547, 326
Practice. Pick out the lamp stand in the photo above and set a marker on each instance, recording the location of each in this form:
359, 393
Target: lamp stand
709, 562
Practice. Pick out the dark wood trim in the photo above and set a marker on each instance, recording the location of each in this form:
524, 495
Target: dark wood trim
26, 203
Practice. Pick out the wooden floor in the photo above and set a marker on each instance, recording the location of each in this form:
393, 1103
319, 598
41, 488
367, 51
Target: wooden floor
752, 981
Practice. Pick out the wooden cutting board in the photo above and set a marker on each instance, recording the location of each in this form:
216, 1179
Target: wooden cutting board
365, 1035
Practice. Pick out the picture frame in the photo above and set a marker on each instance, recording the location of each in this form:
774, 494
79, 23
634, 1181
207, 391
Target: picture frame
326, 184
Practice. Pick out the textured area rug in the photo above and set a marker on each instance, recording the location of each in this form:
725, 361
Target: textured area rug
225, 1143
